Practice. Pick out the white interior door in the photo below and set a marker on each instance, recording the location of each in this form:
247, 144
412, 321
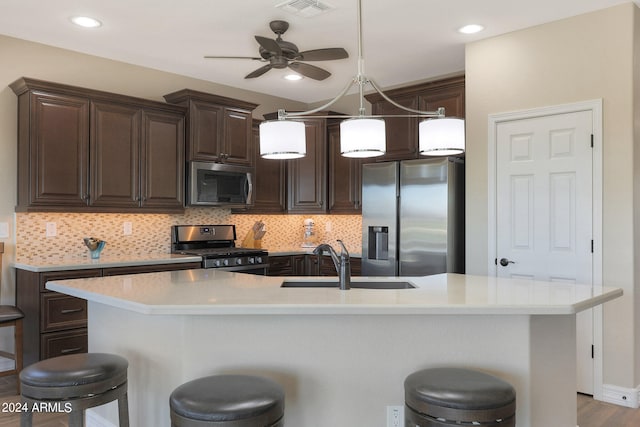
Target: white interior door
544, 223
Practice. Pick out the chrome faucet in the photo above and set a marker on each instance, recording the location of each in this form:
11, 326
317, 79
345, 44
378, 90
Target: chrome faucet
342, 263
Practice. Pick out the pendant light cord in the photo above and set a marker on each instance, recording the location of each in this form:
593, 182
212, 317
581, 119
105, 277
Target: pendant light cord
361, 80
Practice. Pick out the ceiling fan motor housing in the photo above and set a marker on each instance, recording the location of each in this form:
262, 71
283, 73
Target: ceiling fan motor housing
289, 50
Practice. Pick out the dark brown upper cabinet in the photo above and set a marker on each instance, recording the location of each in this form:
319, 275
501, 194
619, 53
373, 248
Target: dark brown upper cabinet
82, 150
344, 177
307, 176
270, 180
402, 132
218, 129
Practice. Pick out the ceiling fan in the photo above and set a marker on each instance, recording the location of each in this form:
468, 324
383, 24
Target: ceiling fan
281, 54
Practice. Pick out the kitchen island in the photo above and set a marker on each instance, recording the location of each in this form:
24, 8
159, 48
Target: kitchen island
342, 356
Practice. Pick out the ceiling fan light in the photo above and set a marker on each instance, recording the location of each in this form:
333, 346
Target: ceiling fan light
293, 77
362, 137
282, 139
441, 137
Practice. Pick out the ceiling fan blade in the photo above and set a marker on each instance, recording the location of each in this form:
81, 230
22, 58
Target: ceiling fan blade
323, 54
234, 57
310, 71
269, 45
257, 73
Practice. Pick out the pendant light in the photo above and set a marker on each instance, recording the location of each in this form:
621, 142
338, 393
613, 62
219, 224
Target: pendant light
441, 137
361, 135
282, 139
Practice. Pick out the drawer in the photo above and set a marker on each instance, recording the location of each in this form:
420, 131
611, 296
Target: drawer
62, 312
66, 342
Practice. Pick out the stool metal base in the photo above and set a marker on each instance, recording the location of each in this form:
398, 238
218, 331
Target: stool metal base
76, 406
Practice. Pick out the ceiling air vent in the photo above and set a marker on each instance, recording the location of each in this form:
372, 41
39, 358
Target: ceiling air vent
305, 8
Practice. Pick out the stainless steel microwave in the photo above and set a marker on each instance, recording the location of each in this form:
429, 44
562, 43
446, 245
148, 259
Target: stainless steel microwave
220, 184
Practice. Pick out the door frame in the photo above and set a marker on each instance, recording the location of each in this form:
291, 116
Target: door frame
595, 106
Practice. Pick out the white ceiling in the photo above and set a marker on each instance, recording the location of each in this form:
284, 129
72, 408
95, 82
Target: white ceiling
403, 40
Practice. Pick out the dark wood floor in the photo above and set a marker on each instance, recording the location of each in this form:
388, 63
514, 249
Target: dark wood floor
591, 413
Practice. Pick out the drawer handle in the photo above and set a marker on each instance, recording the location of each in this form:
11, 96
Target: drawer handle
71, 310
70, 350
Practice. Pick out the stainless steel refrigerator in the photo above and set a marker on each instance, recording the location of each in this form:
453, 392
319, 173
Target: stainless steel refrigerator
413, 217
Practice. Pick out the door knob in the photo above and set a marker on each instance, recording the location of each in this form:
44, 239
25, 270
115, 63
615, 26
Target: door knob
504, 262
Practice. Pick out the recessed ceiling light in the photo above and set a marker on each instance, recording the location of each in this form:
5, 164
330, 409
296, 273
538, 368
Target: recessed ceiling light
293, 77
85, 21
471, 29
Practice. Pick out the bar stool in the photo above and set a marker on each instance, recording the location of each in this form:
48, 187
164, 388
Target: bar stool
12, 316
444, 397
228, 401
74, 383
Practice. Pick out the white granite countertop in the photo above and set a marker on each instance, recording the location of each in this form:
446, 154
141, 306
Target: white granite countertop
216, 292
39, 265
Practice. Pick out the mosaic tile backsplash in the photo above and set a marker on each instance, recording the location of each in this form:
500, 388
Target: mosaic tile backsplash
151, 232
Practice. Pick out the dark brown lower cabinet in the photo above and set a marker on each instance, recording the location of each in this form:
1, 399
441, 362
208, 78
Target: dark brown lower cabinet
307, 265
56, 324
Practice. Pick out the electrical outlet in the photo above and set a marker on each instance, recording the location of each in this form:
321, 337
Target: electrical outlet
328, 227
51, 230
395, 416
127, 228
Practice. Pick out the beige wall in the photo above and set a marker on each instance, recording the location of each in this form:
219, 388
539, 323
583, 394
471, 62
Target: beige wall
22, 58
576, 59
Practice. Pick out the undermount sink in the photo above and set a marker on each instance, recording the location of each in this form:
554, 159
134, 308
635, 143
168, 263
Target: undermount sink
354, 284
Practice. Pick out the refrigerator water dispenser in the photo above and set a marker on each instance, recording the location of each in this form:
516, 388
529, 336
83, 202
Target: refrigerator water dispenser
378, 242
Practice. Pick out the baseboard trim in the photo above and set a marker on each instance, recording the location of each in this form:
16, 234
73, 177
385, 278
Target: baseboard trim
95, 420
629, 397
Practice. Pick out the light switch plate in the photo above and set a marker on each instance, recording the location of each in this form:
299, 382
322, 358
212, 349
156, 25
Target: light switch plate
4, 230
127, 228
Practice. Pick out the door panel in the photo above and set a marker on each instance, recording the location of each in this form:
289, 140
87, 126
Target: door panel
544, 209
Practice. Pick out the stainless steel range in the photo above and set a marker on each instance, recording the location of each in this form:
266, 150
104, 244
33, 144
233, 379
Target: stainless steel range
216, 245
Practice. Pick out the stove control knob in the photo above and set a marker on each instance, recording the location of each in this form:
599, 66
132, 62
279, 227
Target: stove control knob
252, 260
238, 261
258, 260
225, 262
217, 263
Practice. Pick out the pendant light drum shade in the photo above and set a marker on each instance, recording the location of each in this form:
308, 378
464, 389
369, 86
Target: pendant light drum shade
441, 137
362, 137
282, 139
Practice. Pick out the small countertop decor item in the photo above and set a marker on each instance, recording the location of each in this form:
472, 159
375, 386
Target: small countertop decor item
309, 239
95, 246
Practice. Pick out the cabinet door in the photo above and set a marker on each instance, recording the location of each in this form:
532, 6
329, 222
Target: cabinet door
115, 155
237, 147
59, 150
452, 99
162, 175
205, 131
269, 187
281, 265
307, 188
401, 132
344, 177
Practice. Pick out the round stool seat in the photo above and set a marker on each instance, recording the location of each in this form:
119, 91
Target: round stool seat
79, 374
79, 381
229, 398
459, 395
